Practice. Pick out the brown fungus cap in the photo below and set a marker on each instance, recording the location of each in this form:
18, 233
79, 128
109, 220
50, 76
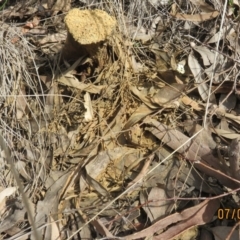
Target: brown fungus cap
89, 26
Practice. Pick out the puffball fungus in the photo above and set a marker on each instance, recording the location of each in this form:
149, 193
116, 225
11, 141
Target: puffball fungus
87, 30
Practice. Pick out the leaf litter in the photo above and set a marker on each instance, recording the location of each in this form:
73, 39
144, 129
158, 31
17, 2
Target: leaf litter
124, 142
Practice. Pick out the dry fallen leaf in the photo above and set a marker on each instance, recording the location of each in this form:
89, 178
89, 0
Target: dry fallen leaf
138, 115
206, 54
197, 215
222, 232
188, 101
71, 81
52, 230
168, 94
49, 205
143, 97
101, 228
226, 134
136, 66
198, 76
227, 102
200, 155
142, 173
21, 103
4, 194
221, 113
96, 185
100, 162
9, 225
204, 136
201, 17
59, 5
88, 106
157, 206
205, 7
53, 38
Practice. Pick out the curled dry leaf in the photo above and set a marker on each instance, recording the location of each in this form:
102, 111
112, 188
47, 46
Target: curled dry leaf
218, 35
198, 76
206, 54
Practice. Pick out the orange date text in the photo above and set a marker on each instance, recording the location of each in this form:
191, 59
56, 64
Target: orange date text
228, 213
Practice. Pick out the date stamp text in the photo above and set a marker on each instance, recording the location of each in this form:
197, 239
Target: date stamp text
228, 213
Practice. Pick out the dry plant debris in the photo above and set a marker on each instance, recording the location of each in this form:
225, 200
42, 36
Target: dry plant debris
119, 120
